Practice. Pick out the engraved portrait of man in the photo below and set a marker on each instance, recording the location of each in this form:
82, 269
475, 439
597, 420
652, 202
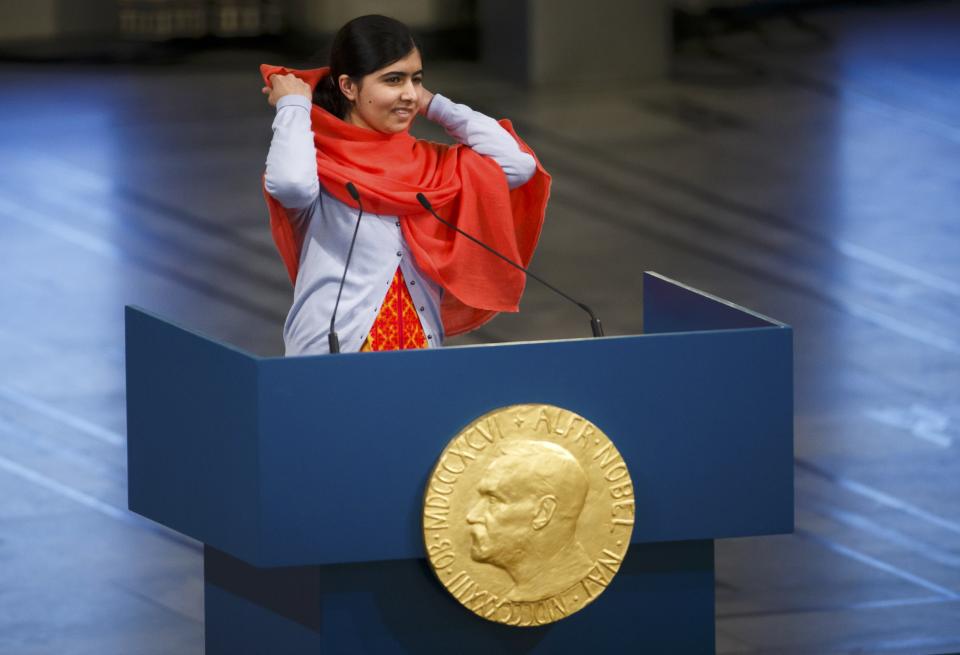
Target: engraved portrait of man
525, 519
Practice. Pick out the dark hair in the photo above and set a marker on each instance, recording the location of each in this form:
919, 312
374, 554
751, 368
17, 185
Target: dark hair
362, 46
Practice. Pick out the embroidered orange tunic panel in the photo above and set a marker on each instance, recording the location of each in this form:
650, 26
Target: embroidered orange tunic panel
397, 326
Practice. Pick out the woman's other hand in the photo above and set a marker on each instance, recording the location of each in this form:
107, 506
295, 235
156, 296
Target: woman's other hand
424, 100
285, 85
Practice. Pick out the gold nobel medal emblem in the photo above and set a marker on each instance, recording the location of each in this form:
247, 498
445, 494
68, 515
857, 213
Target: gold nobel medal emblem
528, 514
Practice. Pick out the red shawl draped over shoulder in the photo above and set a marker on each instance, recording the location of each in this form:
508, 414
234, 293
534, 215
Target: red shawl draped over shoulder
465, 188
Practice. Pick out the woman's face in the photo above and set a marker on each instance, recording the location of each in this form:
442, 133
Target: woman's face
386, 100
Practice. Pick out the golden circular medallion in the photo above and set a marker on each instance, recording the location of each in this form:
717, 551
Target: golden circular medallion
528, 514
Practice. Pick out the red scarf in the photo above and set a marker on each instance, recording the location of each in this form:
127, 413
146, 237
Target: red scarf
465, 188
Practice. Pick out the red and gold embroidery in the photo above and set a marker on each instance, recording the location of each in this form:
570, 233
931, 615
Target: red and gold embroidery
398, 325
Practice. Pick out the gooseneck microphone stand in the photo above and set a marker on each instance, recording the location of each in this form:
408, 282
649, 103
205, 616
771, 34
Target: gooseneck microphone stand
595, 325
333, 339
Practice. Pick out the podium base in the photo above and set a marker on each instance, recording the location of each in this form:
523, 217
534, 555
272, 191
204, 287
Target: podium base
662, 599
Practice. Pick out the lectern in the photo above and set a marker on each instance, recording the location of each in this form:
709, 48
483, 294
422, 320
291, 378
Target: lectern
304, 477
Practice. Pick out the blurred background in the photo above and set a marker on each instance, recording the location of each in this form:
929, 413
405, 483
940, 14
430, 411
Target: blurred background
799, 158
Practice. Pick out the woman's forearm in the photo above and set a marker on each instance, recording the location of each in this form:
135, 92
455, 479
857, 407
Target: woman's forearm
485, 136
291, 175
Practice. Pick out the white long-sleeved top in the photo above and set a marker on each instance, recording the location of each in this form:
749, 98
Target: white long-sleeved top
291, 178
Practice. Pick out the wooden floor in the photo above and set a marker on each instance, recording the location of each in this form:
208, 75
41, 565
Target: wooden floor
814, 177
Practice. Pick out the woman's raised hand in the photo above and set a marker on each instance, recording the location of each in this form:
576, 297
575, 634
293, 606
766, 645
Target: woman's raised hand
424, 100
285, 85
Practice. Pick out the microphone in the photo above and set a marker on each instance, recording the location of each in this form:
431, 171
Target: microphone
333, 339
595, 325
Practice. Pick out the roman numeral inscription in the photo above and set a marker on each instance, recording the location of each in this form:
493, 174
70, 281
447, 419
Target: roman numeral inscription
490, 606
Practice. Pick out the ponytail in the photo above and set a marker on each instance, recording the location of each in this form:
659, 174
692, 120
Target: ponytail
328, 96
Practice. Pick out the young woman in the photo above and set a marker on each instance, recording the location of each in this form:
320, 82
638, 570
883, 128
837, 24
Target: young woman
411, 280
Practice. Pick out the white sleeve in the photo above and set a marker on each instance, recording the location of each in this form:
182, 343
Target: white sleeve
291, 175
485, 136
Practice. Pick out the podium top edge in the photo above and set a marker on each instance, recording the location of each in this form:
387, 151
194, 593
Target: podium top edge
545, 342
717, 299
137, 310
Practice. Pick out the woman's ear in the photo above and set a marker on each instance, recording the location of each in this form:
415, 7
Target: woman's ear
348, 87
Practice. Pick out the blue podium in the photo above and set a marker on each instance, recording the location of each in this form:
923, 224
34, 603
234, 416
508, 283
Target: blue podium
304, 477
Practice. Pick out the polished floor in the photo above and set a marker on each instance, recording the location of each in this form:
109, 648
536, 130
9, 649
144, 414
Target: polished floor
810, 174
